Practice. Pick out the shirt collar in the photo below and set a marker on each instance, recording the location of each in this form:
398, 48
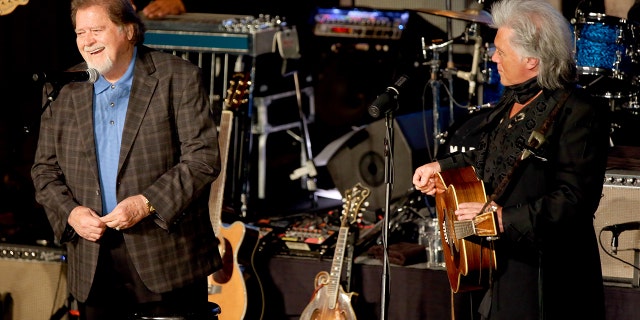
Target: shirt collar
127, 79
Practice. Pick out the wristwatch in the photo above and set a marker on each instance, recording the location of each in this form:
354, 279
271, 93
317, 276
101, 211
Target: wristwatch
150, 207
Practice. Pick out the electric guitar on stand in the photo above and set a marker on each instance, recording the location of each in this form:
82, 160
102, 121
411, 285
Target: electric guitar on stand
330, 301
227, 286
238, 102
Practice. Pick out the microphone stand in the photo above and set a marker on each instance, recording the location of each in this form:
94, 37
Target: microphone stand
51, 97
388, 177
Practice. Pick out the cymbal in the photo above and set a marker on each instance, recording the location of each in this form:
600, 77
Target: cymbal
473, 15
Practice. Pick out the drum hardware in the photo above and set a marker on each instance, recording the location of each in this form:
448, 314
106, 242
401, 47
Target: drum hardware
450, 64
474, 15
489, 87
632, 104
475, 78
434, 83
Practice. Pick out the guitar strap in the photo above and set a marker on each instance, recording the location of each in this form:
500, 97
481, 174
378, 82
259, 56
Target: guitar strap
536, 139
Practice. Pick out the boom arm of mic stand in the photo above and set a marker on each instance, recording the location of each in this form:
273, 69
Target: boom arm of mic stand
51, 97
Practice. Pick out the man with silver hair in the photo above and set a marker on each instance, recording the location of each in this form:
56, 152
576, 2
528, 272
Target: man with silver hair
542, 158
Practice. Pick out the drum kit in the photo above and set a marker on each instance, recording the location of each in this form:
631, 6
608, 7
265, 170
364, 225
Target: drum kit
607, 56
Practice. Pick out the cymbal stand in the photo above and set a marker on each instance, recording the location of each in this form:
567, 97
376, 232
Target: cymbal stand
434, 82
471, 33
450, 64
485, 74
307, 172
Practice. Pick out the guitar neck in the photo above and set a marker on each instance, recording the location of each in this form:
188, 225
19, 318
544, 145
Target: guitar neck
484, 225
216, 197
336, 267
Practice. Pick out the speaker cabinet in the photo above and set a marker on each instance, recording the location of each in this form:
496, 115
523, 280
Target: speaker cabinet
620, 203
36, 278
361, 157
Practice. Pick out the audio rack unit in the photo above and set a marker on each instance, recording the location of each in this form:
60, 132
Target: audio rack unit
360, 23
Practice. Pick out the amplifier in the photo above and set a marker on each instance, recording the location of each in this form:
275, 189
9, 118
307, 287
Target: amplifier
36, 278
619, 204
360, 23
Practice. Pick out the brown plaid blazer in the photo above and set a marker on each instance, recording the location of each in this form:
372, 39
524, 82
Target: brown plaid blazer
169, 153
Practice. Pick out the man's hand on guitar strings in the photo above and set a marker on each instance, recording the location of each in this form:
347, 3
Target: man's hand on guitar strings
469, 210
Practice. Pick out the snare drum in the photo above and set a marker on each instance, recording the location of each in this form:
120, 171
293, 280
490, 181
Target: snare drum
605, 45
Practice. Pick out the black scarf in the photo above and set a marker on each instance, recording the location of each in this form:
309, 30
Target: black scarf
522, 92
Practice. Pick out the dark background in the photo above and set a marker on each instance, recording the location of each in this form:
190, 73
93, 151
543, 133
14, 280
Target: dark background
36, 37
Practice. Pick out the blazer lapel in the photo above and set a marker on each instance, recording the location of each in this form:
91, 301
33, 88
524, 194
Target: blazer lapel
142, 90
84, 118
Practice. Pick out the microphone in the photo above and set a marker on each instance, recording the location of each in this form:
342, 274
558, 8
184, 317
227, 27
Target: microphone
388, 100
479, 107
61, 78
616, 229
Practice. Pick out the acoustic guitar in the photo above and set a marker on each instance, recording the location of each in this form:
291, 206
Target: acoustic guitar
7, 7
330, 301
468, 250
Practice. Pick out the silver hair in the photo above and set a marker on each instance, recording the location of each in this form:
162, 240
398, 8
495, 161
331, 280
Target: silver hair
541, 32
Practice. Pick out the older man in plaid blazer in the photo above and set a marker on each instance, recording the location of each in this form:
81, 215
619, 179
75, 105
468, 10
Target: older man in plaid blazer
123, 168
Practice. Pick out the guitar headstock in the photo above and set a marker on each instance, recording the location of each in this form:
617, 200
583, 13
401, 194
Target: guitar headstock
238, 91
7, 7
354, 202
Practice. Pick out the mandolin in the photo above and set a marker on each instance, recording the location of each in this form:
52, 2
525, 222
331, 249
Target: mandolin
330, 301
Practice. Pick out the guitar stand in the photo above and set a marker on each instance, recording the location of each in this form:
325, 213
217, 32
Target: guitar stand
307, 171
285, 42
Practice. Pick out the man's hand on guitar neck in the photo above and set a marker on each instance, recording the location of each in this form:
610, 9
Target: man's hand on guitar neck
425, 180
469, 210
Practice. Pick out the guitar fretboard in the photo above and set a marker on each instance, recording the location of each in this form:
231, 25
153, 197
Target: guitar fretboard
336, 267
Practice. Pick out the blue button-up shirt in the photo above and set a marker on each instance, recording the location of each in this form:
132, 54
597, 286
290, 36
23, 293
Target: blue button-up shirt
110, 103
